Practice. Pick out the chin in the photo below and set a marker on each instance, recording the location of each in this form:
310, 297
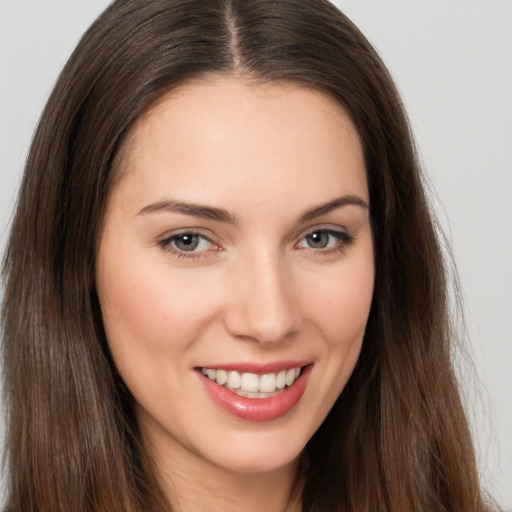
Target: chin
262, 453
254, 463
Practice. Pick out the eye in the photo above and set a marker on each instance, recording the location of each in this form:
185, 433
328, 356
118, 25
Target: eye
325, 239
318, 239
187, 244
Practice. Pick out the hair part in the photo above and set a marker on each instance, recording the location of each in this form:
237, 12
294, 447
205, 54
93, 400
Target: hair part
397, 438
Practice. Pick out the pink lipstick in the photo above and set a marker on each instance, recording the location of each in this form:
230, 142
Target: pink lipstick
265, 408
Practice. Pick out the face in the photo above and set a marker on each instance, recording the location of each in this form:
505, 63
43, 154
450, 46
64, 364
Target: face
235, 270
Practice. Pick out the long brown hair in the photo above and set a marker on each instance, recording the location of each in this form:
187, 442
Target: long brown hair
397, 438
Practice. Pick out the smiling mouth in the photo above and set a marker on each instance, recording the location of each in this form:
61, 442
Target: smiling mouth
252, 385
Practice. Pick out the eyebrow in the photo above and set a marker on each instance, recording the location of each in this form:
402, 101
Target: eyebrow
186, 208
339, 202
221, 215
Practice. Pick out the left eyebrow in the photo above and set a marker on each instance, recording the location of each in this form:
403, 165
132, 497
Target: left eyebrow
339, 202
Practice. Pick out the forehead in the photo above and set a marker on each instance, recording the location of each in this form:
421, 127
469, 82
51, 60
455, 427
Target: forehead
244, 137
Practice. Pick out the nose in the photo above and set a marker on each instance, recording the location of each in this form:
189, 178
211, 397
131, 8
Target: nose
262, 305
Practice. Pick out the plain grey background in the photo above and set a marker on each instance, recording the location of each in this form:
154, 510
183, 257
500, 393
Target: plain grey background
452, 60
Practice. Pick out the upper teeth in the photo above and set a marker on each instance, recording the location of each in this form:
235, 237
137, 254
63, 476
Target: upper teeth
252, 382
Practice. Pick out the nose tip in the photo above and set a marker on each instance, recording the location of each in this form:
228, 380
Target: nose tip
263, 307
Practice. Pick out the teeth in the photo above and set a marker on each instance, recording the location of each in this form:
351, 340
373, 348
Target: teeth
222, 377
233, 380
267, 383
253, 385
281, 380
290, 377
250, 382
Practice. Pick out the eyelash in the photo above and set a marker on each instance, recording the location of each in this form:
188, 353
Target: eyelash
343, 240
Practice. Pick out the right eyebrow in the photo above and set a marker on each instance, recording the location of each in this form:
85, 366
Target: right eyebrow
186, 208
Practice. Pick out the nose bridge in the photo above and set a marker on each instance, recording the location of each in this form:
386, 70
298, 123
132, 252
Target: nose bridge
262, 306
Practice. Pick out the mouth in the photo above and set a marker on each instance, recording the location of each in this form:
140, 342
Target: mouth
253, 385
257, 395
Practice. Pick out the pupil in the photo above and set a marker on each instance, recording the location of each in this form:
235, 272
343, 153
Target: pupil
318, 240
187, 242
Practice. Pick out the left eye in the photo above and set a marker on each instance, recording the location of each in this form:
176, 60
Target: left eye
187, 243
325, 239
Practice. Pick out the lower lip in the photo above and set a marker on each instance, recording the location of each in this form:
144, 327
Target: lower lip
258, 409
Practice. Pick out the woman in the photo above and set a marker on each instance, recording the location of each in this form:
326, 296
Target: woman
224, 194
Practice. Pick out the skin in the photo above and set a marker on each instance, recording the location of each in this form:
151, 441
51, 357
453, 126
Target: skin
254, 291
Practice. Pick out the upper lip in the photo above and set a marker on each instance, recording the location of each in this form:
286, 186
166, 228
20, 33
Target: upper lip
257, 368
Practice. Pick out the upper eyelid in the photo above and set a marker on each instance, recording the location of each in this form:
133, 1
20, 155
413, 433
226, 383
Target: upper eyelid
211, 236
323, 229
166, 243
186, 231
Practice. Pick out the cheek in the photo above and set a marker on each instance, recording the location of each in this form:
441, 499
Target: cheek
338, 309
142, 305
340, 304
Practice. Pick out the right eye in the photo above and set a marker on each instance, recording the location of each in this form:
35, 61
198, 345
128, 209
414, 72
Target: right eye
187, 244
